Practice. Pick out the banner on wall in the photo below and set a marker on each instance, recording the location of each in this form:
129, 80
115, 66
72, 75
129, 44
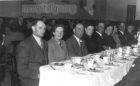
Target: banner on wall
66, 8
50, 8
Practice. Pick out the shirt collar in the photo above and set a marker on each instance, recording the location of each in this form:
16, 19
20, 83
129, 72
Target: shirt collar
121, 32
78, 40
99, 33
38, 39
58, 42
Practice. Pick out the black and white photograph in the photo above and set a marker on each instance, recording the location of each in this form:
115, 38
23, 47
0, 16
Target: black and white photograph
69, 42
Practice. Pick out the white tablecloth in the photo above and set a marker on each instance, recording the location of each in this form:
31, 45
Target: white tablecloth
50, 77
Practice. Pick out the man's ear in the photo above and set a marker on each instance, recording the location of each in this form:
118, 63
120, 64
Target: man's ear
74, 30
33, 28
53, 33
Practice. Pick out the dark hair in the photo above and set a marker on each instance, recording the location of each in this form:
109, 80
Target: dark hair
34, 21
87, 25
131, 25
77, 24
57, 25
109, 25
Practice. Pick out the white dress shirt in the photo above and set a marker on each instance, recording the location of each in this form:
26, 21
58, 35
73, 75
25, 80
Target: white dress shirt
99, 33
78, 40
38, 39
122, 32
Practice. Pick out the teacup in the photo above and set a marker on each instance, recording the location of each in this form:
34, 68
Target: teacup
67, 66
90, 63
106, 60
120, 49
76, 60
97, 57
135, 50
119, 54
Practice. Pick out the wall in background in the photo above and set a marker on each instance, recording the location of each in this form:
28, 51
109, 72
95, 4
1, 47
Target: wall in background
114, 10
68, 9
117, 9
100, 10
138, 10
10, 8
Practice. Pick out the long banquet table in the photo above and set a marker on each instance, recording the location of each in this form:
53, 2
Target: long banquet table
53, 77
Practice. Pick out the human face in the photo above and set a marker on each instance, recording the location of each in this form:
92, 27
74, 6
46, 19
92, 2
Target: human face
79, 30
109, 30
130, 29
39, 29
122, 27
58, 33
101, 27
89, 30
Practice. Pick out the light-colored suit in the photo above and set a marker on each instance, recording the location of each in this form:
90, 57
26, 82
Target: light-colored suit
57, 52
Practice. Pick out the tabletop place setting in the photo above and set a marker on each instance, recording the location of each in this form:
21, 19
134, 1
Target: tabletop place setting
98, 62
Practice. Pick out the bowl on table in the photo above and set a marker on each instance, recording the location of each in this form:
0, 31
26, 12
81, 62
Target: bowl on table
67, 66
106, 60
76, 60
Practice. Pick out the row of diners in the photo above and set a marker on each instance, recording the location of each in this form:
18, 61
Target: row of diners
93, 36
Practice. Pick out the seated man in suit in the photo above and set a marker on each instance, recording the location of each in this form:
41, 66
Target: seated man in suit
121, 35
76, 46
98, 38
130, 35
31, 54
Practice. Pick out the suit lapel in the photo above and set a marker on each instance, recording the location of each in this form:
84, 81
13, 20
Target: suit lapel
38, 49
101, 37
35, 44
122, 35
75, 42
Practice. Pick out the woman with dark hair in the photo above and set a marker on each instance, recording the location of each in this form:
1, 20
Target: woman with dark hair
87, 37
57, 50
108, 39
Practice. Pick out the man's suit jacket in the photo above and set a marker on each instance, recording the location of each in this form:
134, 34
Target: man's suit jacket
99, 42
30, 57
133, 76
57, 52
109, 41
130, 38
122, 39
74, 48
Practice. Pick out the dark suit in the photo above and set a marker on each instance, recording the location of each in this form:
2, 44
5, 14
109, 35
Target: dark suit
109, 41
122, 39
74, 48
133, 76
99, 42
89, 43
30, 57
130, 38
